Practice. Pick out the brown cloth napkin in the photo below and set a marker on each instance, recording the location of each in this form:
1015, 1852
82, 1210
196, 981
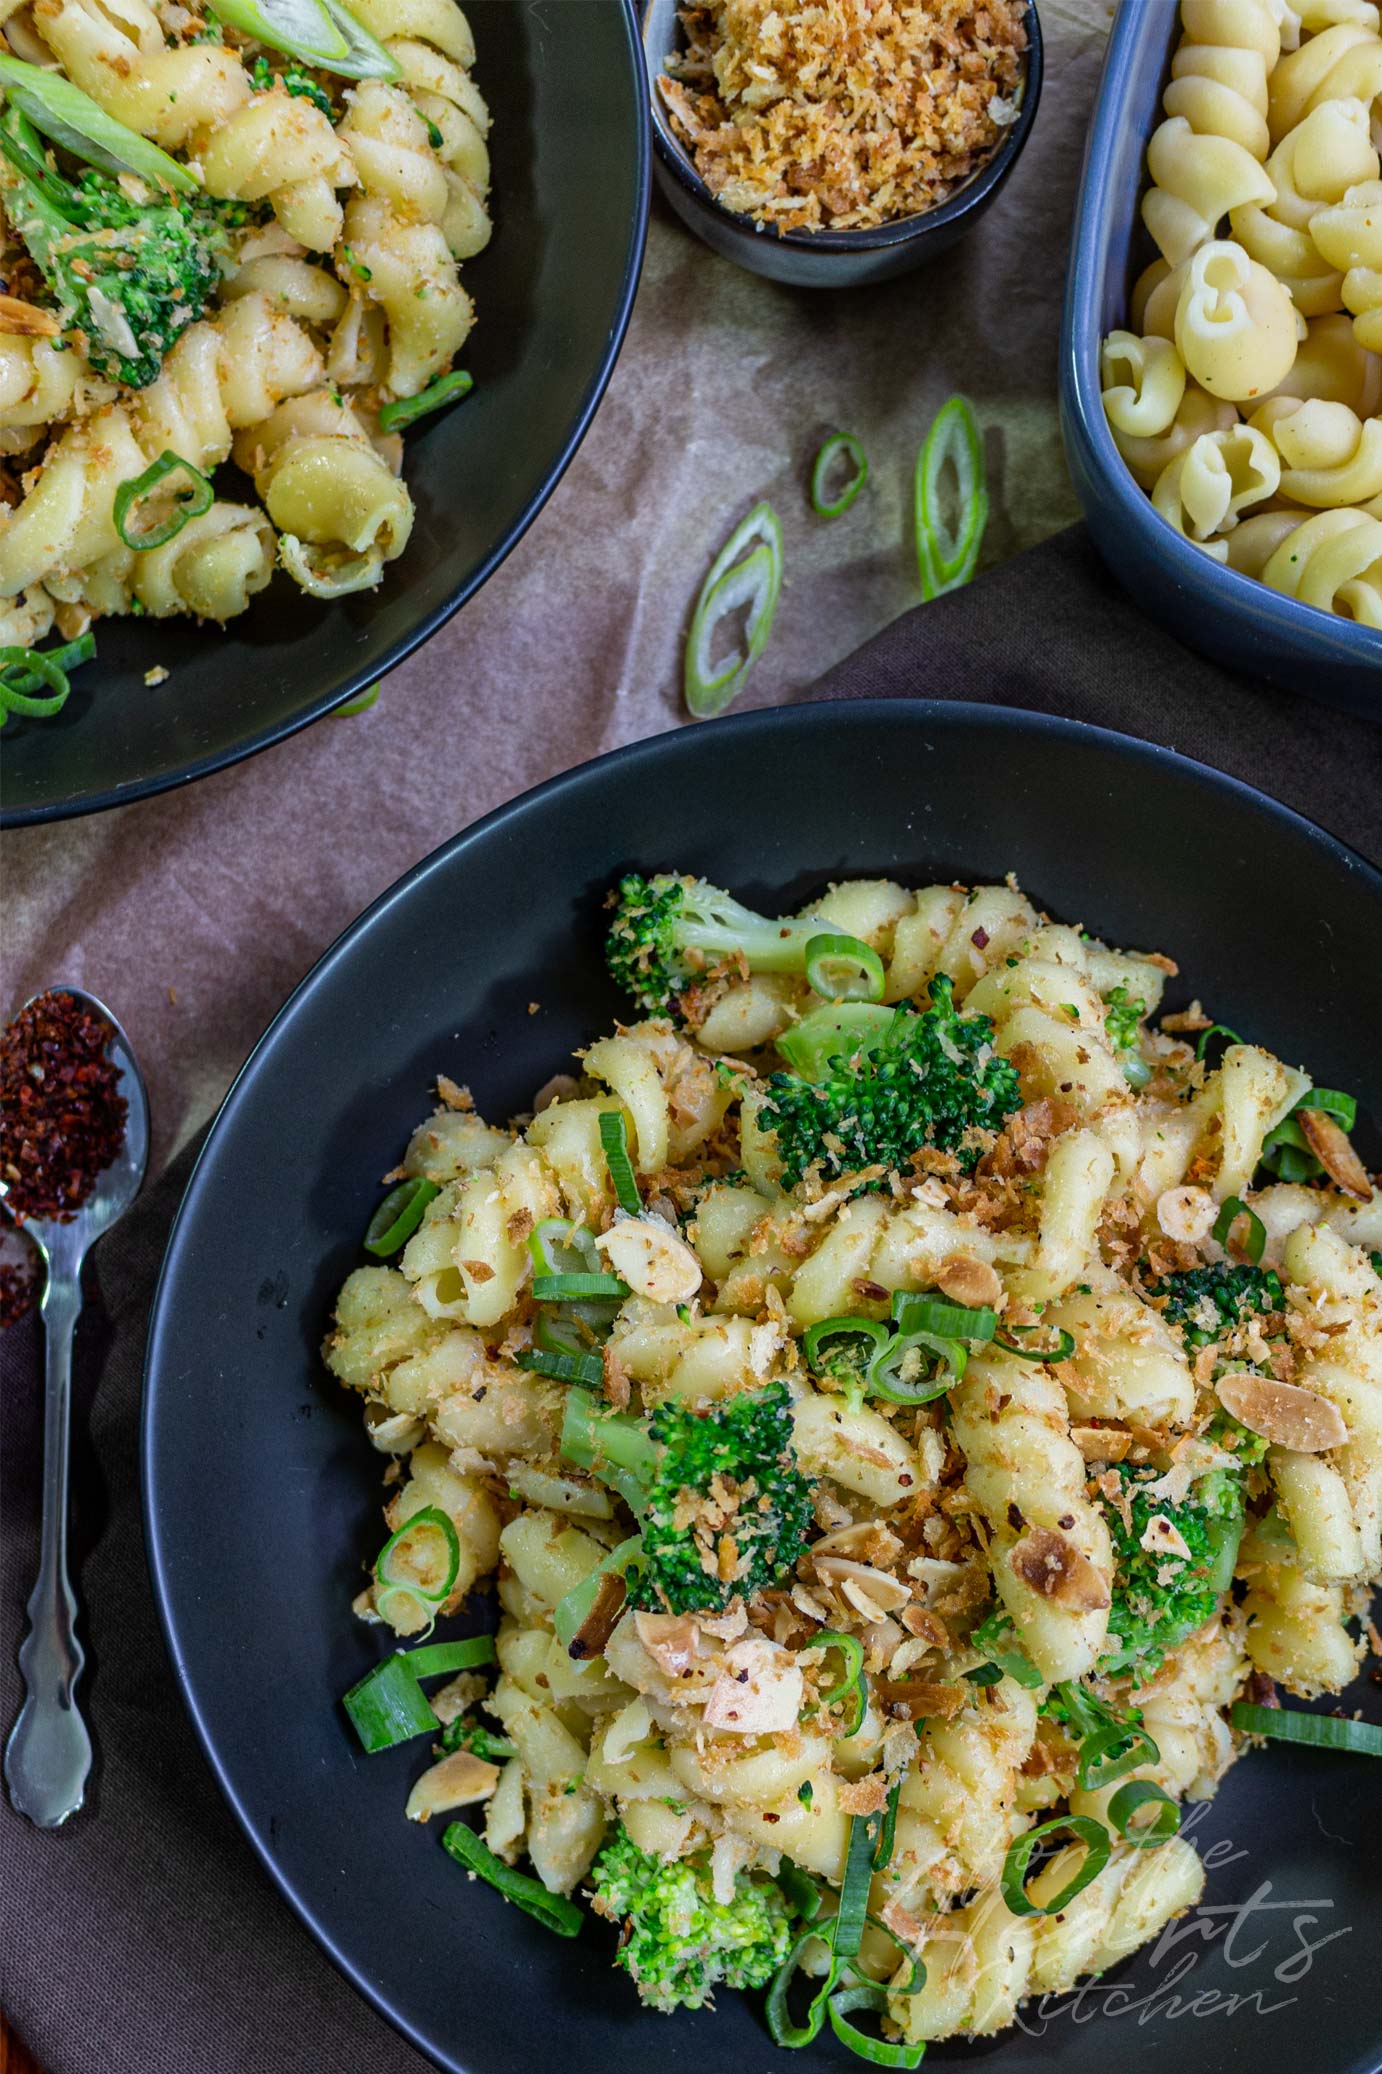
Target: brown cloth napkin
143, 1938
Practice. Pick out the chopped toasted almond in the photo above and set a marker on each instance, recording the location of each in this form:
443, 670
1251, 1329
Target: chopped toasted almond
1187, 1019
669, 1638
724, 1627
22, 320
457, 1782
651, 1259
1052, 1565
925, 1626
1162, 1536
1101, 1443
1331, 1147
863, 1541
887, 1594
903, 1923
968, 1281
1186, 1214
1283, 1413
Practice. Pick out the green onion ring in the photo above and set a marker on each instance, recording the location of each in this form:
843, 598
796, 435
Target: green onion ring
838, 443
614, 1137
559, 1247
880, 2052
1098, 1765
776, 2009
1063, 1349
1233, 1208
553, 1911
818, 1336
1140, 1793
353, 706
853, 1682
947, 559
406, 410
1202, 1042
887, 1827
399, 1216
914, 1313
1321, 1731
842, 968
1013, 1882
984, 1675
847, 1931
741, 574
566, 1288
430, 1517
190, 504
884, 1378
37, 668
586, 1370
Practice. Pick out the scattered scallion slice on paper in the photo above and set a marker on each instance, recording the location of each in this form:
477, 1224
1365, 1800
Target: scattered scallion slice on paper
746, 572
947, 555
1320, 1731
840, 445
361, 704
553, 1911
320, 32
80, 125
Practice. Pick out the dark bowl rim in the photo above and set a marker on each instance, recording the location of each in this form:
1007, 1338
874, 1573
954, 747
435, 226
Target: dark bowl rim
1219, 588
821, 716
359, 679
905, 229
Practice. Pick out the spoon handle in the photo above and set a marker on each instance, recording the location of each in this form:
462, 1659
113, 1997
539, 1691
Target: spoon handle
48, 1755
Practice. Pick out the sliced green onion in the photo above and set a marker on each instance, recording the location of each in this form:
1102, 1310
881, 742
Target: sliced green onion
1322, 1731
880, 2052
885, 1378
887, 1828
1017, 1665
1234, 1208
777, 2009
1215, 1030
614, 1137
398, 1216
801, 1890
1139, 1793
71, 118
447, 388
35, 668
946, 556
1013, 1882
817, 1339
388, 1705
361, 704
914, 1313
553, 1911
187, 504
838, 444
847, 1931
429, 1521
985, 1674
841, 968
320, 32
562, 1329
1110, 1752
853, 1682
572, 1611
1287, 1152
741, 574
561, 1248
588, 1370
1062, 1350
566, 1288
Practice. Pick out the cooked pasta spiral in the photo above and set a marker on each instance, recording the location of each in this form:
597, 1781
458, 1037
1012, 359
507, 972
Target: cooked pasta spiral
340, 508
1349, 238
431, 43
1328, 152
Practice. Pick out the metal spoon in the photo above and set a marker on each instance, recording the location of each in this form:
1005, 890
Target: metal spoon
48, 1756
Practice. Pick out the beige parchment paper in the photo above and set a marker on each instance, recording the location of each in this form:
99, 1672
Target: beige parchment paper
195, 914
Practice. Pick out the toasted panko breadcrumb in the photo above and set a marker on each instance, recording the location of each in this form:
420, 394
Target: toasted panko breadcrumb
844, 115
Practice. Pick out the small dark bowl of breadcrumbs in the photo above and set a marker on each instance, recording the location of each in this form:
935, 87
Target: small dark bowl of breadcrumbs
838, 142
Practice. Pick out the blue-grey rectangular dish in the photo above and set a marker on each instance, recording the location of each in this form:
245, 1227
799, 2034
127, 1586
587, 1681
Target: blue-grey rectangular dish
1234, 619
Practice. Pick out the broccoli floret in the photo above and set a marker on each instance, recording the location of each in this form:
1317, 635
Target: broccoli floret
725, 1510
128, 268
678, 1941
1159, 1596
1124, 1015
667, 931
466, 1734
873, 1085
1207, 1302
294, 81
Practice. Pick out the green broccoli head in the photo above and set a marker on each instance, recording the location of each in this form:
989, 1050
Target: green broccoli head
725, 1510
1207, 1302
128, 269
1161, 1596
1123, 1018
874, 1085
466, 1733
668, 931
679, 1943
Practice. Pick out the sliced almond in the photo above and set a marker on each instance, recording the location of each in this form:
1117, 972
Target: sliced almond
651, 1259
863, 1541
1283, 1413
1053, 1566
1331, 1147
670, 1639
968, 1281
22, 320
1163, 1537
888, 1594
457, 1782
1101, 1443
1186, 1214
926, 1627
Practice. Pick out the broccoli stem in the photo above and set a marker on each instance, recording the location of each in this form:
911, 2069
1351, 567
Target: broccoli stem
717, 925
617, 1449
847, 1028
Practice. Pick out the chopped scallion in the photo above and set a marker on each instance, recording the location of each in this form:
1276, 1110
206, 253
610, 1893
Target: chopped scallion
388, 1705
553, 1911
587, 1370
1013, 1882
742, 574
1253, 1245
398, 1216
841, 968
838, 446
947, 556
1140, 1793
406, 410
1321, 1731
187, 504
571, 1288
913, 1313
879, 2052
614, 1137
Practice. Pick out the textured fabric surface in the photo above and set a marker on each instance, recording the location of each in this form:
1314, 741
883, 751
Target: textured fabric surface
144, 1939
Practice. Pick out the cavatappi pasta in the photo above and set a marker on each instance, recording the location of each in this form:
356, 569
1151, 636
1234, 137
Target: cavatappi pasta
1245, 394
1130, 1477
338, 212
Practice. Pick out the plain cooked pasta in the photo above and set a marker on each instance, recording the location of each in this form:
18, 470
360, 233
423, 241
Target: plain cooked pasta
1061, 1462
330, 215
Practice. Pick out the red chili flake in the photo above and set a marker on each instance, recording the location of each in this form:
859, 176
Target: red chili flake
61, 1119
980, 939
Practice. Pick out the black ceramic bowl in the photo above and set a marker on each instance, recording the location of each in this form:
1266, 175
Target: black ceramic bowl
553, 290
824, 259
259, 1515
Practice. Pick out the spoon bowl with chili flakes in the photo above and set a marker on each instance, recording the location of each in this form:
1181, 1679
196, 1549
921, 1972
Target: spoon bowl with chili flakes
74, 1144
